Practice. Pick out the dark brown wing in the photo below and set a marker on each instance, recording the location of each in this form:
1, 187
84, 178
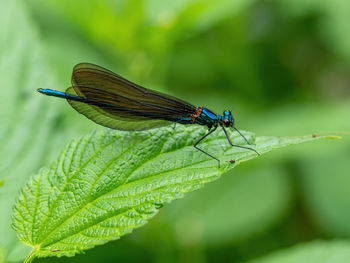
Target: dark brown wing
90, 75
114, 102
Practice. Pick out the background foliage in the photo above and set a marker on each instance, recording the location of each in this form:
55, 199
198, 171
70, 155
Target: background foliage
281, 66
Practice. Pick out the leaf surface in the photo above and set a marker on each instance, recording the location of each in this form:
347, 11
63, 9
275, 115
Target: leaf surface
316, 251
107, 183
26, 117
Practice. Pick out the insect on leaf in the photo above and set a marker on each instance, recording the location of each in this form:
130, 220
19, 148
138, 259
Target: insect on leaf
108, 182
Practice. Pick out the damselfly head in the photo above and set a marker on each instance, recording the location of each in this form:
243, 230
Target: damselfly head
228, 120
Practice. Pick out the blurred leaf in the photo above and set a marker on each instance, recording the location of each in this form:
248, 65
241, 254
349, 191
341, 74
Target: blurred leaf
79, 203
27, 119
240, 205
311, 117
316, 251
323, 173
332, 25
326, 189
193, 14
140, 34
122, 23
2, 182
2, 255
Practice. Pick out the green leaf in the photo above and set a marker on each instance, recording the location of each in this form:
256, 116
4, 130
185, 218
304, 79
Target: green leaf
317, 251
28, 121
107, 183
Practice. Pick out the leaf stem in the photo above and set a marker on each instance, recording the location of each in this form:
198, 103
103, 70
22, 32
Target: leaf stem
30, 257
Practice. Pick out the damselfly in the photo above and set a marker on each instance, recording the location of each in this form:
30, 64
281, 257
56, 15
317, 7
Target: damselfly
112, 101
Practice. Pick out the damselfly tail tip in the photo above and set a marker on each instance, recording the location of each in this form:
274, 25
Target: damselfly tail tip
47, 92
40, 90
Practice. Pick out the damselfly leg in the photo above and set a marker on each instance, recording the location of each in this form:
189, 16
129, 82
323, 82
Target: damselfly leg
239, 146
195, 145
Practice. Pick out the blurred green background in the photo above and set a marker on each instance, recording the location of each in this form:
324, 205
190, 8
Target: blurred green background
281, 66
